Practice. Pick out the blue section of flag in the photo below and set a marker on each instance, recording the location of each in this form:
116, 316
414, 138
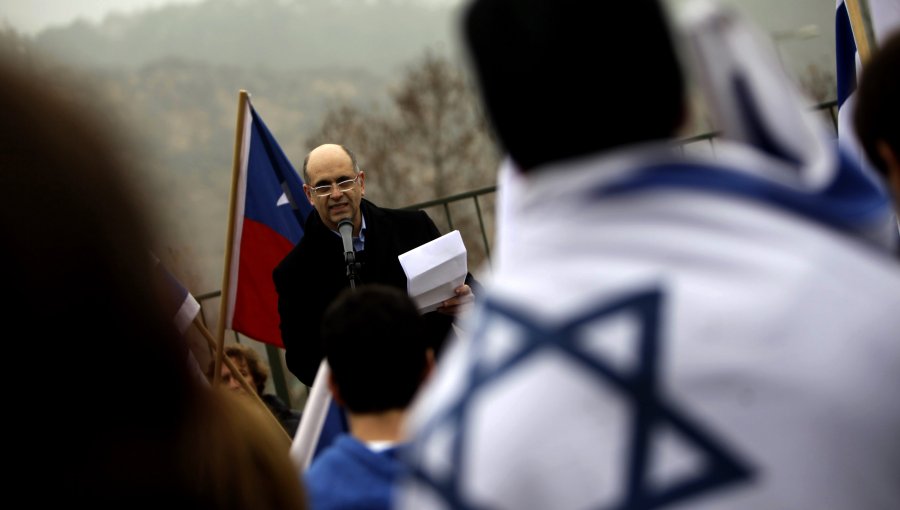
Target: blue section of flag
851, 202
271, 179
335, 425
845, 52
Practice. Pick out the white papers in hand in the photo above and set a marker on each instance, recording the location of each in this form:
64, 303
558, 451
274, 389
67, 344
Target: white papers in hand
434, 270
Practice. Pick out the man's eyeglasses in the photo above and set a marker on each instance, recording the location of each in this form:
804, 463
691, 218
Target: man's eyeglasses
343, 186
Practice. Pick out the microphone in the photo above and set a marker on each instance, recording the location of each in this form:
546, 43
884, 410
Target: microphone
345, 227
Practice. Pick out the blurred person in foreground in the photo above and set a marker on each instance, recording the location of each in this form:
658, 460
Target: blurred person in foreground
256, 372
703, 332
314, 272
141, 431
376, 345
877, 114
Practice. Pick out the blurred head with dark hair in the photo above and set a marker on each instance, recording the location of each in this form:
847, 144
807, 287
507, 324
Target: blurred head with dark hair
375, 343
876, 116
76, 257
110, 415
566, 78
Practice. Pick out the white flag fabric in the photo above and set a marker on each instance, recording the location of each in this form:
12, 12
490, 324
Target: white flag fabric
678, 333
756, 104
509, 184
885, 15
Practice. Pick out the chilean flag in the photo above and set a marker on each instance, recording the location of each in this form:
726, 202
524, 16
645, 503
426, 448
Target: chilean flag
268, 213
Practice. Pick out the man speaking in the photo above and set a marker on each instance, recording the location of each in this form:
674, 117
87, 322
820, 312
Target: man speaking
315, 271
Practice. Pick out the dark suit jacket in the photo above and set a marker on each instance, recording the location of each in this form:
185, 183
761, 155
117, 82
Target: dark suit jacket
314, 273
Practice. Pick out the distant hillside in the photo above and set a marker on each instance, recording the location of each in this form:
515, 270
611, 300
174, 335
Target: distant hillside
287, 34
170, 76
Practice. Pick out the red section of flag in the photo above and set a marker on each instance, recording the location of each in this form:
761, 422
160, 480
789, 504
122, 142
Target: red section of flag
256, 303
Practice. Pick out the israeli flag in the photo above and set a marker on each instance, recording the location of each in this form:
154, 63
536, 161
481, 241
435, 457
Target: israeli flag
677, 332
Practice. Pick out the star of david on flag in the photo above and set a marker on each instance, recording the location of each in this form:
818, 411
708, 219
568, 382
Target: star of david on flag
649, 412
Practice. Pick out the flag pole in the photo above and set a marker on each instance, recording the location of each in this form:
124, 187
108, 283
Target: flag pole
860, 32
243, 100
236, 373
314, 413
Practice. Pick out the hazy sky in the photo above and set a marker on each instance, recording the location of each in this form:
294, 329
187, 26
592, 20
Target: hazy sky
804, 28
30, 16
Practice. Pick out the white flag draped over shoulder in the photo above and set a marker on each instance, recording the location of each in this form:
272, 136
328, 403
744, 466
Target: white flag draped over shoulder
756, 104
680, 332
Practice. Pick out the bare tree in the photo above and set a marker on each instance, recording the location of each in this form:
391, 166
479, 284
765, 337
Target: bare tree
432, 142
445, 136
369, 135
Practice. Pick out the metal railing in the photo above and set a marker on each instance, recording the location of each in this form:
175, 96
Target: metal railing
459, 197
829, 108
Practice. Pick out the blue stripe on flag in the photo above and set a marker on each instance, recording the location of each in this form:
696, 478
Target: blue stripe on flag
845, 53
851, 202
263, 192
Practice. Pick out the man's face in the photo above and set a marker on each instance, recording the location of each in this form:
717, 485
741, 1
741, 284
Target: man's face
329, 165
231, 382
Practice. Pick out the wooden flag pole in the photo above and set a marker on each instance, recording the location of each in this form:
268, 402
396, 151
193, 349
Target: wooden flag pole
243, 100
314, 413
860, 32
236, 373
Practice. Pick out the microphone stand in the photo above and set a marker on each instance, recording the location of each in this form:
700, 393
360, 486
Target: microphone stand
345, 227
350, 259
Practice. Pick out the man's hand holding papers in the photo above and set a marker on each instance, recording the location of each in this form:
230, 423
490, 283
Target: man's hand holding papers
436, 274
